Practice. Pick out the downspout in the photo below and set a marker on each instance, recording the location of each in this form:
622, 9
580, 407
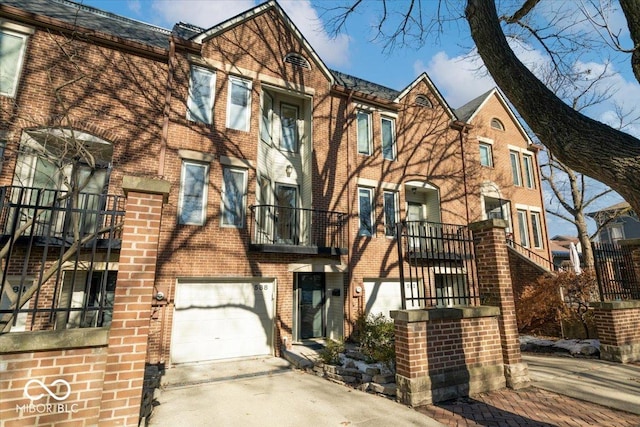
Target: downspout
462, 128
167, 108
349, 209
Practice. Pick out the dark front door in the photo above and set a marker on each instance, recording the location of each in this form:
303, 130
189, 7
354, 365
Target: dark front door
311, 303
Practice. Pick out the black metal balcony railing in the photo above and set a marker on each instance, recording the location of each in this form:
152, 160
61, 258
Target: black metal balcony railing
297, 230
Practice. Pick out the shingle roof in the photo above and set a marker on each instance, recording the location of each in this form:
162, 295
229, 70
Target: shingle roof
465, 112
364, 86
96, 19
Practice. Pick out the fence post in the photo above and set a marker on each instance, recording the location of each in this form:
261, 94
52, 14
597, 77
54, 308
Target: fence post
128, 336
617, 321
495, 289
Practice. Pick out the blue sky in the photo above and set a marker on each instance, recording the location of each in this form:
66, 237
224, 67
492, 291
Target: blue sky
443, 56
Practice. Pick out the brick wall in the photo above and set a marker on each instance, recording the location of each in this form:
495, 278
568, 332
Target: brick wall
617, 323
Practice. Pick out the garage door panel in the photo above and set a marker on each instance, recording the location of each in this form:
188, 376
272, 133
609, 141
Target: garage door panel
218, 320
383, 296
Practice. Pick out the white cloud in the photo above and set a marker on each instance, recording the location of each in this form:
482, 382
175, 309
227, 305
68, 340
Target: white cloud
205, 14
459, 78
135, 6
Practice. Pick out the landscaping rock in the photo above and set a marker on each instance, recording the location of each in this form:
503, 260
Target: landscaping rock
386, 389
384, 379
372, 371
589, 350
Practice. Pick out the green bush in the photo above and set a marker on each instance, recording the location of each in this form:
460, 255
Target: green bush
330, 354
376, 336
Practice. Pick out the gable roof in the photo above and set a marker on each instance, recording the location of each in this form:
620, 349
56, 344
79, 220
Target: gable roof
469, 110
252, 13
364, 86
425, 78
95, 19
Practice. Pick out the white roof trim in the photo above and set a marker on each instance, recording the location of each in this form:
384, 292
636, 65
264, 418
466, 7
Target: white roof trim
258, 10
431, 86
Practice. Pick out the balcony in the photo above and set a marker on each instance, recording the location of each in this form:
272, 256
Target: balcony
43, 216
436, 241
280, 229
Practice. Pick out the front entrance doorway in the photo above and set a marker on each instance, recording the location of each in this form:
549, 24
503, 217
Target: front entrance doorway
311, 294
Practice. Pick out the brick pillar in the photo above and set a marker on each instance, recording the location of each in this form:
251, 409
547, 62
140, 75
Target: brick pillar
124, 372
412, 365
495, 289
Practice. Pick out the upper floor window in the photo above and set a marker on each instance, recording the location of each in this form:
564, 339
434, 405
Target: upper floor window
12, 48
289, 125
527, 163
365, 212
536, 228
364, 132
486, 154
523, 228
201, 94
515, 168
234, 184
388, 138
390, 213
423, 101
497, 124
239, 104
297, 60
192, 200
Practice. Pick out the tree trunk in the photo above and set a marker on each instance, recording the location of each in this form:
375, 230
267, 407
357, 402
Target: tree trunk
583, 144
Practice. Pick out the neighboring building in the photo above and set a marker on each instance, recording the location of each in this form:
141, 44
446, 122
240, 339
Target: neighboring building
560, 245
618, 222
287, 178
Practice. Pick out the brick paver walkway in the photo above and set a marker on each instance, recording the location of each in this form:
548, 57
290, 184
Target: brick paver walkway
527, 407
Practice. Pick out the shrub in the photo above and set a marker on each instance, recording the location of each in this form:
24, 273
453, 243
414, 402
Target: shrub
330, 354
376, 336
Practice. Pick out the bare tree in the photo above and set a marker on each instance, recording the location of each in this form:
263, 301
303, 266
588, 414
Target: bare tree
565, 35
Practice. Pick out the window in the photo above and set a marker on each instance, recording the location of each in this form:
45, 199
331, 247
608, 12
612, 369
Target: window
616, 232
527, 161
95, 292
497, 124
192, 205
289, 124
365, 204
486, 154
286, 218
423, 101
12, 47
239, 104
297, 60
495, 208
536, 228
233, 197
201, 94
390, 213
364, 132
266, 132
388, 138
523, 228
515, 168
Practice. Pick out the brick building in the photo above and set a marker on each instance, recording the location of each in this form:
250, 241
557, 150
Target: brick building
286, 178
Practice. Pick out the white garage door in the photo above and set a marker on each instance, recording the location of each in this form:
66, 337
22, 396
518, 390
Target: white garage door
383, 295
221, 319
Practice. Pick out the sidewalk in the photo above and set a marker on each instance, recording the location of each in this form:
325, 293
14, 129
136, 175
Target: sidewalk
565, 392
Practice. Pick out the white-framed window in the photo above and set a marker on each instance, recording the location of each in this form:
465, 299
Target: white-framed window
486, 154
523, 228
363, 119
289, 127
515, 167
202, 85
365, 211
527, 163
390, 213
234, 186
497, 124
616, 232
239, 104
12, 49
388, 132
192, 200
536, 229
266, 131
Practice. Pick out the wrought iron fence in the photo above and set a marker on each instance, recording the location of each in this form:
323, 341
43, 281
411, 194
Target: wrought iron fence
59, 252
437, 265
281, 225
615, 272
533, 256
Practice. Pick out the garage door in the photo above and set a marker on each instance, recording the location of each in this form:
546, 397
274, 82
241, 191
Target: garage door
383, 295
221, 319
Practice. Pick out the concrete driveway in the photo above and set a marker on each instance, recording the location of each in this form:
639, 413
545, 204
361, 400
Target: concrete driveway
266, 392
